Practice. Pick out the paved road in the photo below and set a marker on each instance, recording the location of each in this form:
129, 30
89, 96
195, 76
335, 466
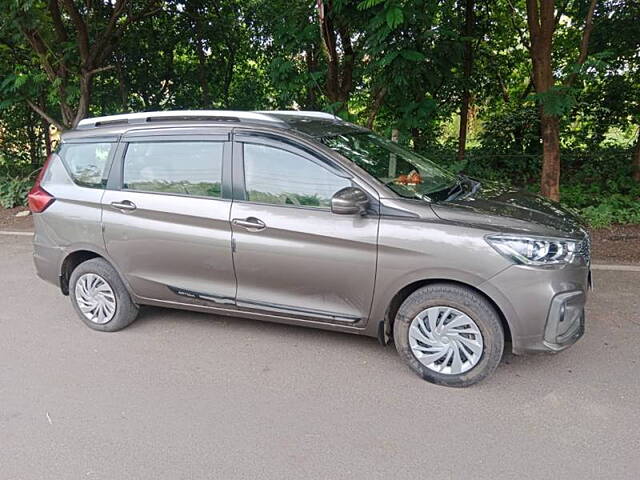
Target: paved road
185, 395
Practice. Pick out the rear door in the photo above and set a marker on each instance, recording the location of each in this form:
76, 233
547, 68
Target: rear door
292, 256
166, 217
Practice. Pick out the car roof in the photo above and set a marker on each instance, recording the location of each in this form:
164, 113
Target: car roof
314, 124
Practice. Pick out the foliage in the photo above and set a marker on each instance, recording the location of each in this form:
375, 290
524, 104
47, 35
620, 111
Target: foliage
13, 190
615, 209
394, 65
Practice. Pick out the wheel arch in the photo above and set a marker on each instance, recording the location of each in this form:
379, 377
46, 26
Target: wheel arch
404, 292
69, 264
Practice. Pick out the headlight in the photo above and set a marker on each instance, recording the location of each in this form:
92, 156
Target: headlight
534, 251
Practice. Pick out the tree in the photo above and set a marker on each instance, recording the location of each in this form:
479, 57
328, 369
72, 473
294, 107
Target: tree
73, 42
337, 47
542, 22
413, 52
467, 66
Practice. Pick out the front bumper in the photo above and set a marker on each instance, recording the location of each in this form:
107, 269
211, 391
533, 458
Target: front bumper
544, 308
565, 321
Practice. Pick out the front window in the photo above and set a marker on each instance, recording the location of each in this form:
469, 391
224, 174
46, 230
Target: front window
279, 177
406, 173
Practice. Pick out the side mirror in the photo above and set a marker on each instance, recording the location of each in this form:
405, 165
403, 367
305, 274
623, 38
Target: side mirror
349, 201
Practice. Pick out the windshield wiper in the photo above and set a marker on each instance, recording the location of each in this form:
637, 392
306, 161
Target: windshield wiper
455, 190
463, 183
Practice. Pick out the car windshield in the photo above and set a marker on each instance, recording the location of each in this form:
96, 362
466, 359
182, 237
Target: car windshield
406, 173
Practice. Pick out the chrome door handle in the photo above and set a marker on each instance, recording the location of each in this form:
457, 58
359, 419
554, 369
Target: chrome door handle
124, 205
250, 223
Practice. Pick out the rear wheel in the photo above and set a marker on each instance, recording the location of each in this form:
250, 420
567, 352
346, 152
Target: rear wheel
449, 335
99, 296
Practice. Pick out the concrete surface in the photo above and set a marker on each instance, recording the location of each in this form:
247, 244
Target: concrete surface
181, 395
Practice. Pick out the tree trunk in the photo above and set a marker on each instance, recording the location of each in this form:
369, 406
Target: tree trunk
122, 86
32, 135
550, 183
228, 77
84, 100
467, 66
46, 137
418, 139
312, 67
541, 21
202, 77
339, 80
375, 107
635, 162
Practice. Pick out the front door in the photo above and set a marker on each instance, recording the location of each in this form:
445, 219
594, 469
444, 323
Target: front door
292, 256
167, 226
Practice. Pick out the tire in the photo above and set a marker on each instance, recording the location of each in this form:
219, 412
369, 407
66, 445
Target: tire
472, 358
101, 285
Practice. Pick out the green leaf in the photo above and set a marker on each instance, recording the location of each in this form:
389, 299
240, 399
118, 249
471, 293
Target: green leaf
412, 55
7, 81
6, 103
388, 58
394, 17
19, 81
557, 101
369, 3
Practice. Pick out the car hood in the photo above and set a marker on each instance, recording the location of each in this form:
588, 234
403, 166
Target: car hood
503, 207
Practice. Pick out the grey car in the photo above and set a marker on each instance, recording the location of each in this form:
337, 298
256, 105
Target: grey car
302, 218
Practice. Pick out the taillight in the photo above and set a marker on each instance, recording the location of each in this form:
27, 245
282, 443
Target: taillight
38, 198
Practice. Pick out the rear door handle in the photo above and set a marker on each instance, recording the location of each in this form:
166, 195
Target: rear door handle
124, 205
251, 223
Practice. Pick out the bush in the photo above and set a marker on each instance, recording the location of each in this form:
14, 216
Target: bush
13, 190
588, 186
615, 209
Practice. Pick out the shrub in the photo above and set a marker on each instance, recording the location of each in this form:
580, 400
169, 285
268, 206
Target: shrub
13, 190
615, 209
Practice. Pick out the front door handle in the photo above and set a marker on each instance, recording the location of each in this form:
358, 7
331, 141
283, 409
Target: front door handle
124, 205
251, 223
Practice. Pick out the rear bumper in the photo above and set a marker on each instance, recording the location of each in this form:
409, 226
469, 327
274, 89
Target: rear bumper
544, 308
47, 261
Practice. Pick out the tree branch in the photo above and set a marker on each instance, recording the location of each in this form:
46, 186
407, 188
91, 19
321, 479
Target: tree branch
521, 34
45, 115
105, 36
33, 37
348, 62
100, 69
58, 25
375, 107
81, 28
584, 42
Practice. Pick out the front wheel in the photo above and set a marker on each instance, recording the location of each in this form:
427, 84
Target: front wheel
99, 296
449, 335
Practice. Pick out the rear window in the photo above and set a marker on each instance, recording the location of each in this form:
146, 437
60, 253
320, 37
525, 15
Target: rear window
86, 162
184, 168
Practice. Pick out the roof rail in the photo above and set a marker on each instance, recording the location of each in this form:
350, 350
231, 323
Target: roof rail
301, 113
211, 115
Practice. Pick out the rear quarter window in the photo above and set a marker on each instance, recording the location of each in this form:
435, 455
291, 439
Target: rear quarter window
86, 162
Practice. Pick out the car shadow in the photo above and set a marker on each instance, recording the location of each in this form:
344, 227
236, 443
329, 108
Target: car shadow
151, 317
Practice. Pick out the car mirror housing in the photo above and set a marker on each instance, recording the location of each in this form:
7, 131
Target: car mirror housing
349, 201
